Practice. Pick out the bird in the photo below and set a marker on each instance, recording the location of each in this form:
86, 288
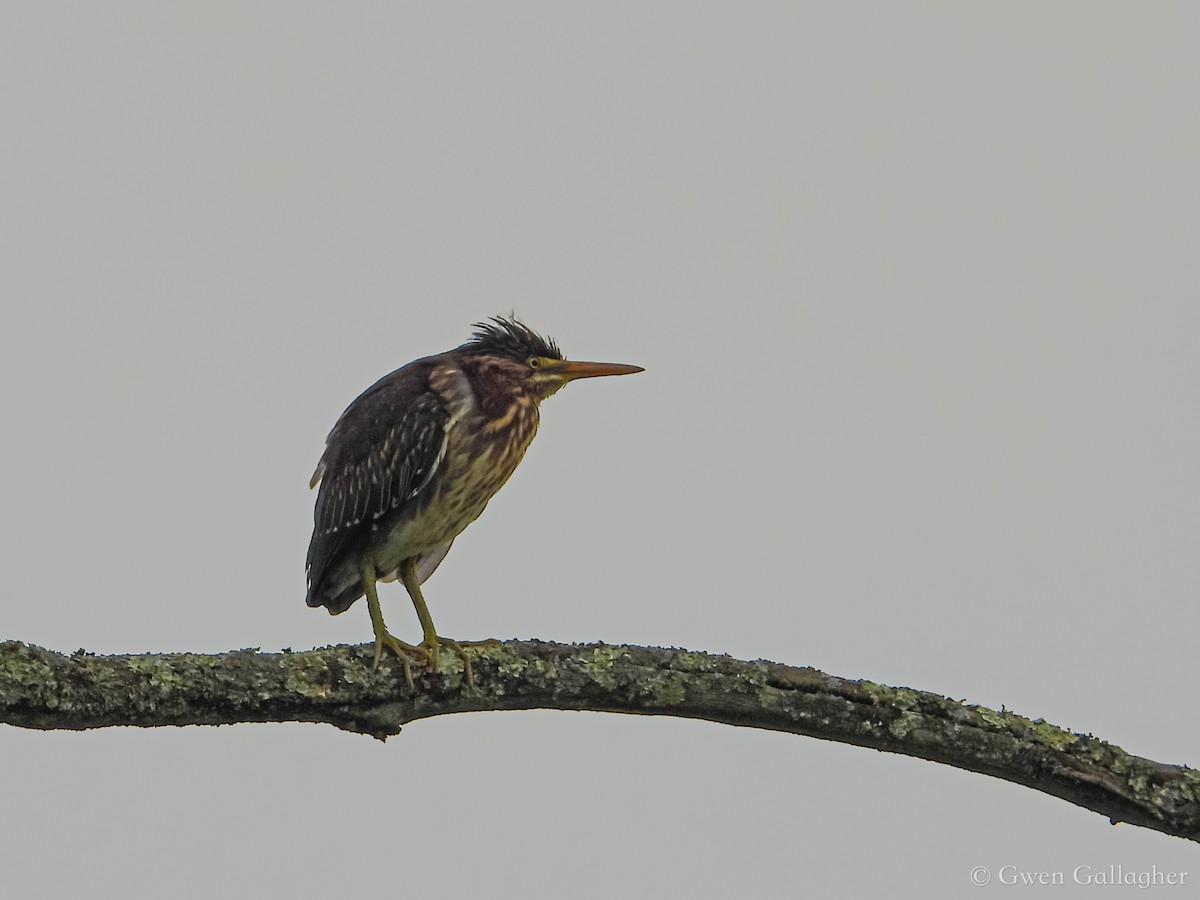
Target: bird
415, 459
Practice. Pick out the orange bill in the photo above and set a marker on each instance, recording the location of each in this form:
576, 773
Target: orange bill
570, 369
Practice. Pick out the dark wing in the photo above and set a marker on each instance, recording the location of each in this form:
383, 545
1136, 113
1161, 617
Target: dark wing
379, 455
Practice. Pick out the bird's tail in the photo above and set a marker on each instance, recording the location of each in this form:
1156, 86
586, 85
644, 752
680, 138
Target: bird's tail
335, 594
339, 588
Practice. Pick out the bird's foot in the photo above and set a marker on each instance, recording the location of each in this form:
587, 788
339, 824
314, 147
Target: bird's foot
433, 643
429, 653
404, 651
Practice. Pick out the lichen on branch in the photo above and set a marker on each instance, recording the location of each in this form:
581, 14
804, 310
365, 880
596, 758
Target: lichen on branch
47, 690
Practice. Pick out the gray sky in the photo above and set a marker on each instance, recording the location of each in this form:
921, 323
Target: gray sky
915, 290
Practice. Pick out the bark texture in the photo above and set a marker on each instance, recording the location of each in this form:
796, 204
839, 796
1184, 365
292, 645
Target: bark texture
47, 690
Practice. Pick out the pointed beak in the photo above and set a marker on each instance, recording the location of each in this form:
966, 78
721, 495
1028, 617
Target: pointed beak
570, 370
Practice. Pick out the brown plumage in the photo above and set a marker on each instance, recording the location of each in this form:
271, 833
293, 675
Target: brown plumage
418, 455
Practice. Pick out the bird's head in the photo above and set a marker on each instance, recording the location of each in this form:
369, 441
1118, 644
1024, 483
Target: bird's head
522, 358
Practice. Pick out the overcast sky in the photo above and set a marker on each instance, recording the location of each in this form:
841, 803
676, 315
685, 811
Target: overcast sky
915, 288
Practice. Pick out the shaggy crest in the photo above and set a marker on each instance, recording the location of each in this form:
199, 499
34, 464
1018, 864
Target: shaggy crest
508, 337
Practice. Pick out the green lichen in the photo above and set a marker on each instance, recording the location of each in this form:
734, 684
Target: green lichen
905, 724
896, 697
159, 672
198, 660
769, 698
1139, 781
1189, 787
308, 676
23, 665
755, 677
1034, 730
599, 665
42, 689
1053, 736
603, 657
450, 663
689, 661
990, 716
666, 689
513, 665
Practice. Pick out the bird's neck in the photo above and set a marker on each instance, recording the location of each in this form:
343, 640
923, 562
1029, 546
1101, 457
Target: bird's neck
483, 388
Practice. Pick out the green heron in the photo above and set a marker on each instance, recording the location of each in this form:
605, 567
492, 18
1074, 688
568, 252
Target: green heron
416, 458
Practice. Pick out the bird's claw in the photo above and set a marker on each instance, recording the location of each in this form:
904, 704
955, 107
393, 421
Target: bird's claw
403, 651
433, 644
429, 652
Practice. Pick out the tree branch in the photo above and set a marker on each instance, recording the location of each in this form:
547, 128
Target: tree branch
47, 690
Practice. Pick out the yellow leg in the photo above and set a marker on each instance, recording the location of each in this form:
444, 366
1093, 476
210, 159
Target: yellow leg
382, 637
433, 642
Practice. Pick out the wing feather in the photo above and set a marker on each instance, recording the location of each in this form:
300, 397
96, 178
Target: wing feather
379, 457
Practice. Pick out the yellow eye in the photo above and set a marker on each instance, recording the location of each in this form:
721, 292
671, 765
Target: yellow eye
534, 362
